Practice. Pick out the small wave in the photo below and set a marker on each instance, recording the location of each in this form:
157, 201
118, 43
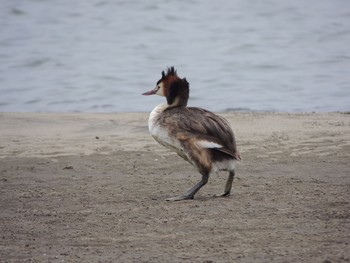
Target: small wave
239, 109
36, 63
33, 101
17, 12
4, 104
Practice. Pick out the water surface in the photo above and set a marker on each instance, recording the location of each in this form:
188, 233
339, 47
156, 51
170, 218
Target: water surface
101, 55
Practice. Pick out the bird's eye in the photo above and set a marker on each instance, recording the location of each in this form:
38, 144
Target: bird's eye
158, 87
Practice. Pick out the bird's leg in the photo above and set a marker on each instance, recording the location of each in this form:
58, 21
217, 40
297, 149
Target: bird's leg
190, 194
228, 185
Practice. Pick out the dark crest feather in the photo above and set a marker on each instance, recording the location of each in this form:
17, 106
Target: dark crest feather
171, 71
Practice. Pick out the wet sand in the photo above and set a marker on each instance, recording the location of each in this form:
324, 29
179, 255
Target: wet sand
90, 187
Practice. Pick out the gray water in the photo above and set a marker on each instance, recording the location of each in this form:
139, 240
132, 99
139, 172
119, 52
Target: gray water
99, 55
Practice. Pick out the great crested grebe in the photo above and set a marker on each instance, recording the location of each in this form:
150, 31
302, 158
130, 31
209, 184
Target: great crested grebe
201, 137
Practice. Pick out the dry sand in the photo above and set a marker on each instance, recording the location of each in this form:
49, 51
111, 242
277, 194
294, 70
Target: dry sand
92, 188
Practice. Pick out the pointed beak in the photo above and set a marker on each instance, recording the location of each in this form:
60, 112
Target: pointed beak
151, 92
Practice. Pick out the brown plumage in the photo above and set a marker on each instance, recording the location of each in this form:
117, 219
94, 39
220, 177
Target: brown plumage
199, 136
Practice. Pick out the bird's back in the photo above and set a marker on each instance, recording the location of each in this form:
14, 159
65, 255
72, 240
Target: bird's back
199, 126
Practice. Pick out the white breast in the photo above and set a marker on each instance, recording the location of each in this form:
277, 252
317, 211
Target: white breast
161, 134
153, 117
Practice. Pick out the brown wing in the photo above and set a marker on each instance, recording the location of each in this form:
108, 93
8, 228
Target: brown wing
202, 125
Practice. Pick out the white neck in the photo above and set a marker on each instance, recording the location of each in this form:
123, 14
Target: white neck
154, 115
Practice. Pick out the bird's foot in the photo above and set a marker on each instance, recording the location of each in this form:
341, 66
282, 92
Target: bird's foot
226, 194
179, 198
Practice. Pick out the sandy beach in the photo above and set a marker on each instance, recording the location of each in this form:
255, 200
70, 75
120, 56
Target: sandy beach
86, 187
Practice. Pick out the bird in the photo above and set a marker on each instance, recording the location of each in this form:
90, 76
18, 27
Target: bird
199, 136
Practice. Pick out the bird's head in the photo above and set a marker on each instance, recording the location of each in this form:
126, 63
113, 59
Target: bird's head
171, 86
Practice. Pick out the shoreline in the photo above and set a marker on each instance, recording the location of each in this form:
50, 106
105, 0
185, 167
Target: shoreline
91, 186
